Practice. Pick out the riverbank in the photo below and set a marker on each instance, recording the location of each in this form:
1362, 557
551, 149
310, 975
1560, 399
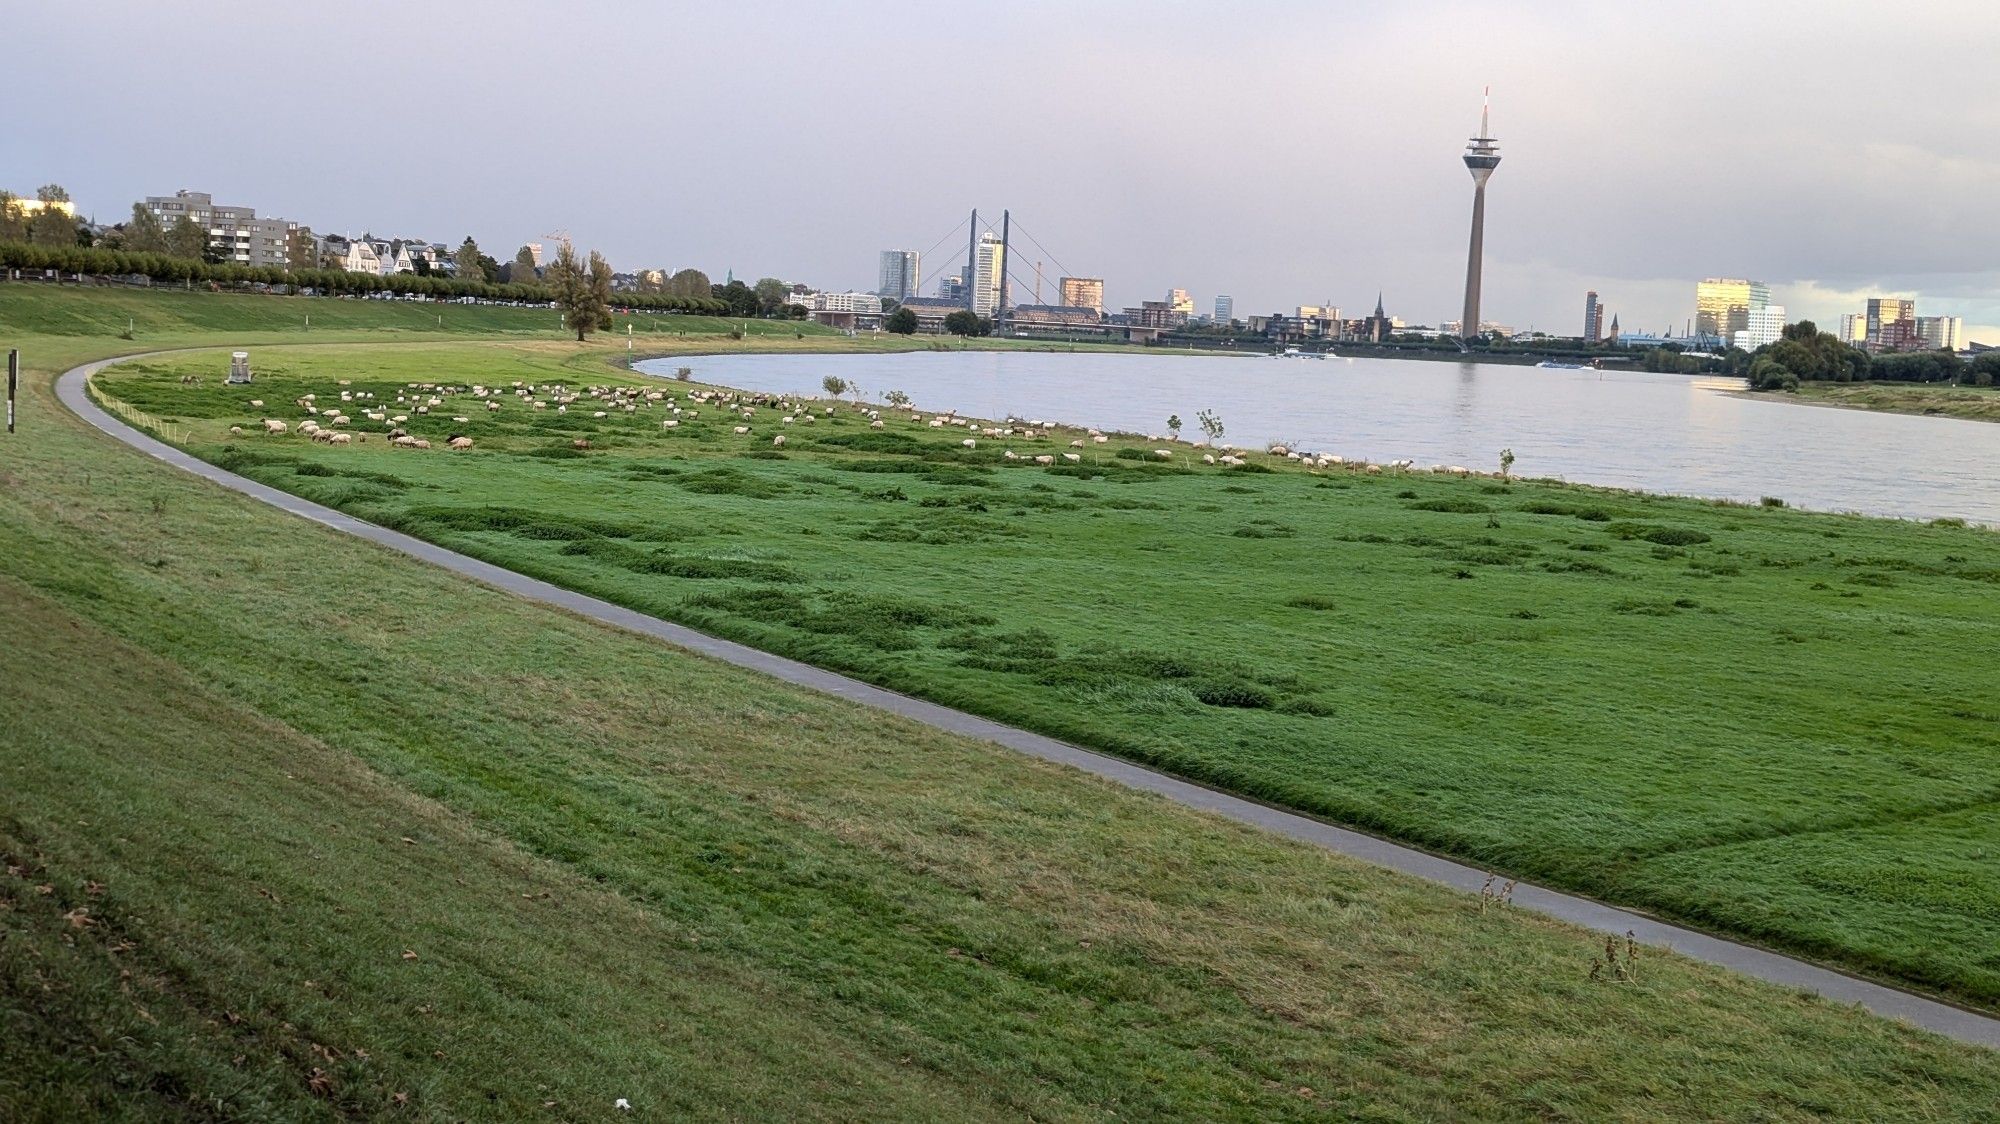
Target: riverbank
1529, 626
1965, 402
390, 843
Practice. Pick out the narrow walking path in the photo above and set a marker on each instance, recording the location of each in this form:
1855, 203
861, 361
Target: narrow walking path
1929, 1014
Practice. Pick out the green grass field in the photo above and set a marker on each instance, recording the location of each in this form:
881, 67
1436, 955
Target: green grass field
1733, 715
296, 828
1971, 403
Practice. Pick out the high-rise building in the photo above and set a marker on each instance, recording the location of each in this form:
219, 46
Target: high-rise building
1593, 318
988, 261
1180, 302
535, 252
1722, 305
1225, 308
235, 234
951, 287
1892, 324
1482, 156
1762, 326
1941, 333
1082, 292
1853, 328
899, 274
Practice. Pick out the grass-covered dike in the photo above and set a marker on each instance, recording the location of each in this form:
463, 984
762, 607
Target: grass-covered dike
370, 841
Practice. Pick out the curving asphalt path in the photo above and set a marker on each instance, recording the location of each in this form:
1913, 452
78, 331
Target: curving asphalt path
1928, 1014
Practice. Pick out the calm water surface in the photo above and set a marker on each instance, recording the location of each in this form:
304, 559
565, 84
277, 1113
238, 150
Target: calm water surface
1658, 433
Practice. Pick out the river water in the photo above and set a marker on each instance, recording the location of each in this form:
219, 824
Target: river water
1657, 433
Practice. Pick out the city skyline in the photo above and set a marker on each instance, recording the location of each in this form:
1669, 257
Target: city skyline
1632, 183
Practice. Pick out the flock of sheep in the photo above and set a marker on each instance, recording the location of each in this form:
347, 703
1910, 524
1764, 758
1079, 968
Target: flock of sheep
329, 421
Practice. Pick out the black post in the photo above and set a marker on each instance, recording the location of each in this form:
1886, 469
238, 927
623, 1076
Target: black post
13, 378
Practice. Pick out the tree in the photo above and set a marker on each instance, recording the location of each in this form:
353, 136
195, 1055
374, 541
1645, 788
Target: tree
964, 323
52, 227
1211, 425
52, 193
523, 270
903, 322
1506, 462
465, 261
1174, 425
737, 298
689, 283
301, 249
582, 293
834, 385
13, 220
186, 239
772, 295
899, 399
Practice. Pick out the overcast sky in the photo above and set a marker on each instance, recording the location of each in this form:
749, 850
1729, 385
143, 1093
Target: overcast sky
1285, 153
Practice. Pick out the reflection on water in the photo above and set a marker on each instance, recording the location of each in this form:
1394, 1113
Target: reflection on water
1660, 433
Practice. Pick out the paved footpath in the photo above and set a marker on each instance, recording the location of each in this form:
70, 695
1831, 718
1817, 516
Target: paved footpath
1930, 1014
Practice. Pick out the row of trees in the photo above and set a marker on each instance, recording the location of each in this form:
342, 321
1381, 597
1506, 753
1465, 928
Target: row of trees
161, 267
1806, 354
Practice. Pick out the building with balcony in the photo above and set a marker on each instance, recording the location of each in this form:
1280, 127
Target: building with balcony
235, 234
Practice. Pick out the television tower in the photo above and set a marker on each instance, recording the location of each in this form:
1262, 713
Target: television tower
1482, 155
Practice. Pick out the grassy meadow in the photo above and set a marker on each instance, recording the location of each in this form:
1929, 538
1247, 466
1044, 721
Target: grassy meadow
295, 828
1969, 402
1766, 722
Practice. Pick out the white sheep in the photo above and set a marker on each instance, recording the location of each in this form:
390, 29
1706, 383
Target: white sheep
742, 429
460, 442
1045, 459
670, 423
778, 440
1099, 438
1073, 458
256, 403
1208, 458
969, 443
1163, 454
339, 438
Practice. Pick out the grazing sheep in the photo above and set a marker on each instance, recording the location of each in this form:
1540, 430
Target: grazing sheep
460, 442
1009, 455
1373, 470
1163, 454
1099, 438
1208, 458
490, 406
1077, 444
403, 441
742, 429
1278, 450
598, 414
236, 429
1073, 458
969, 443
876, 424
256, 403
580, 443
670, 423
419, 443
339, 438
1045, 459
778, 440
339, 419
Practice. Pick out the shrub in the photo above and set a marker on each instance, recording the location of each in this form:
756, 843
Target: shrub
1314, 602
1452, 505
1231, 693
1771, 501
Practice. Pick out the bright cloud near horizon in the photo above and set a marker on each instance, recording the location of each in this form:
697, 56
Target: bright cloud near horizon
1284, 153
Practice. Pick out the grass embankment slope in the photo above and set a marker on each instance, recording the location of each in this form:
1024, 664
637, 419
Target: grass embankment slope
1969, 402
1734, 715
295, 827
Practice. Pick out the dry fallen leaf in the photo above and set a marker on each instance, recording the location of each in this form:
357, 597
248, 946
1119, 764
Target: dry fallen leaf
409, 955
79, 918
319, 1081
